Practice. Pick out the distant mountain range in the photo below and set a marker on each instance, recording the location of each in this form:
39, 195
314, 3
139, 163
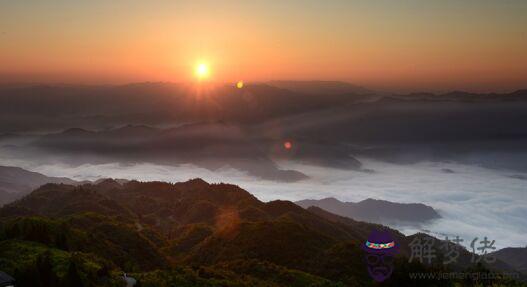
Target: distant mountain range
192, 234
151, 104
330, 123
210, 144
16, 182
376, 211
515, 257
46, 107
322, 88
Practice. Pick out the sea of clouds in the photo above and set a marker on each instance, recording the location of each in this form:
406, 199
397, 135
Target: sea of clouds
473, 201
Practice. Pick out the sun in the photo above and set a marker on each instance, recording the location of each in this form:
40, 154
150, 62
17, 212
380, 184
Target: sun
202, 71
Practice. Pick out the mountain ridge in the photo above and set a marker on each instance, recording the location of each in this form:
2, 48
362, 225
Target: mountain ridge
193, 223
376, 211
16, 182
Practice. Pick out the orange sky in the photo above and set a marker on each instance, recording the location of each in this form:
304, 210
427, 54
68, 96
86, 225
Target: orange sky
392, 45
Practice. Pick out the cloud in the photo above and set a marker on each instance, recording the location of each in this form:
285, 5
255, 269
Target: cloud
473, 201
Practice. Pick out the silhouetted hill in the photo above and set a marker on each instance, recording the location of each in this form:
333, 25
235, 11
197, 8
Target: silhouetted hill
325, 88
376, 211
16, 182
515, 257
207, 144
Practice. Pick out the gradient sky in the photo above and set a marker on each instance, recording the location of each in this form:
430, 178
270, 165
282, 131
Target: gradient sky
392, 45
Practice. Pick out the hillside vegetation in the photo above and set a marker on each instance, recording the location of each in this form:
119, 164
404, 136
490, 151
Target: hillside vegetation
188, 234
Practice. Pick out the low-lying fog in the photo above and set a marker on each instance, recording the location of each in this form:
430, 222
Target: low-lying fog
473, 201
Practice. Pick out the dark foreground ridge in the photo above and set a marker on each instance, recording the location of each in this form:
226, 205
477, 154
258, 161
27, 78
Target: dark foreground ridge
192, 234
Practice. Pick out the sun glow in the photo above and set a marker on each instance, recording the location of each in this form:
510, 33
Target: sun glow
202, 71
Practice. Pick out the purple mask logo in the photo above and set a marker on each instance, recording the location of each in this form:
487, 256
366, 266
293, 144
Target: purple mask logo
380, 249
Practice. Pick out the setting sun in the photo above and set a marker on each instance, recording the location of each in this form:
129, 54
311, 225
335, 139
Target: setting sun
202, 71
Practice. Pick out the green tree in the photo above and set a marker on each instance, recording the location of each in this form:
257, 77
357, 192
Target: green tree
44, 266
73, 278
